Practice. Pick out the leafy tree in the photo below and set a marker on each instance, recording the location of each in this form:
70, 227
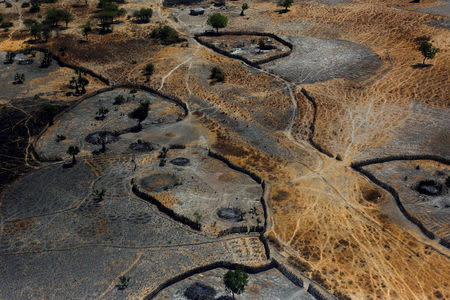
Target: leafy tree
53, 17
98, 195
143, 15
66, 17
244, 7
428, 50
123, 282
73, 150
35, 6
236, 281
1, 17
119, 99
217, 74
109, 11
286, 4
79, 82
46, 60
149, 69
218, 21
102, 111
9, 59
103, 139
19, 78
46, 31
86, 29
167, 35
140, 113
36, 30
50, 110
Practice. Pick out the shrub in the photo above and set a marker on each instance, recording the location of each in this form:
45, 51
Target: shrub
166, 35
149, 69
118, 100
217, 74
143, 15
25, 5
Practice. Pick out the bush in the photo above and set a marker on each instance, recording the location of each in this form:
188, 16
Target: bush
217, 74
25, 5
118, 100
149, 69
143, 15
166, 35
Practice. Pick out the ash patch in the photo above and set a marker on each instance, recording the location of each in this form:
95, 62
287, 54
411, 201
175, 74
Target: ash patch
159, 182
180, 161
94, 138
230, 214
200, 291
141, 146
429, 187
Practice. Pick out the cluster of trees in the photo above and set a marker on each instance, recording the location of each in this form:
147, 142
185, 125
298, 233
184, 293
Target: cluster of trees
108, 12
79, 82
143, 15
166, 35
217, 74
42, 30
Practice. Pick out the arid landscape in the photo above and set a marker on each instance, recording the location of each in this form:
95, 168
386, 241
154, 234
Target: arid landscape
150, 149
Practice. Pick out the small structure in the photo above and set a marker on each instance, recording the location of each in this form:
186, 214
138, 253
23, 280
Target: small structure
23, 59
197, 11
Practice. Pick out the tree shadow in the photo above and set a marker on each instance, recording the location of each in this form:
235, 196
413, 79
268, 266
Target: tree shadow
421, 66
282, 11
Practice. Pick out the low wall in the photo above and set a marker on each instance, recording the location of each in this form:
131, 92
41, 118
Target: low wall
255, 64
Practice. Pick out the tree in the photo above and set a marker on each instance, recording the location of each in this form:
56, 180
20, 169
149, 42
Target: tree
66, 17
218, 21
167, 35
86, 29
19, 78
46, 31
46, 60
236, 281
1, 17
73, 150
98, 195
123, 282
428, 51
79, 82
217, 74
140, 113
143, 15
102, 111
9, 59
148, 70
286, 4
108, 12
35, 6
103, 139
244, 7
